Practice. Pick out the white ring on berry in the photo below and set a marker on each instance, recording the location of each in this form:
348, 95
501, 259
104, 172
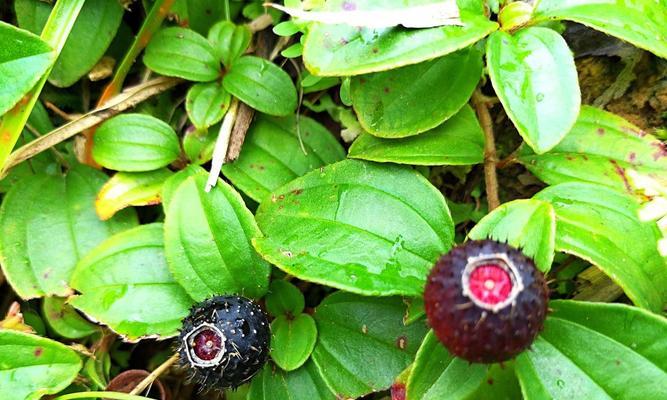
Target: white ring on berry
188, 342
502, 261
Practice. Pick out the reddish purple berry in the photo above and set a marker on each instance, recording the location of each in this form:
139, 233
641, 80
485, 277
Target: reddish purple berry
224, 341
486, 301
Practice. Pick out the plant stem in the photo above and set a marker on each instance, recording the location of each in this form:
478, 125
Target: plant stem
222, 144
118, 104
490, 159
151, 24
155, 374
97, 395
228, 14
55, 33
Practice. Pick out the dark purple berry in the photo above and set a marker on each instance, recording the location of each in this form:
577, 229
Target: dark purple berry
486, 301
224, 341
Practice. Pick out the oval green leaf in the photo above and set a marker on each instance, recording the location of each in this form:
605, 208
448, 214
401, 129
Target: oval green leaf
172, 183
272, 155
33, 366
436, 374
596, 351
639, 22
262, 85
362, 343
292, 341
207, 241
602, 226
92, 33
413, 99
64, 320
343, 50
126, 189
284, 298
601, 148
367, 228
526, 224
206, 104
42, 208
24, 59
275, 384
135, 142
125, 284
198, 145
182, 53
458, 141
230, 41
534, 76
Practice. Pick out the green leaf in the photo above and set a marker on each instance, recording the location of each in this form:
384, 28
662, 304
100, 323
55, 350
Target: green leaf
64, 320
230, 41
198, 145
24, 58
342, 50
135, 142
200, 15
458, 141
526, 224
207, 241
126, 189
500, 383
41, 209
363, 227
125, 283
362, 343
639, 22
44, 162
33, 366
92, 33
272, 155
601, 148
284, 298
596, 351
534, 76
182, 53
262, 85
206, 103
436, 374
172, 183
403, 102
275, 384
601, 226
292, 341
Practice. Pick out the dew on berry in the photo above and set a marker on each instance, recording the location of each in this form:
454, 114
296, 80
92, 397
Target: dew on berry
486, 301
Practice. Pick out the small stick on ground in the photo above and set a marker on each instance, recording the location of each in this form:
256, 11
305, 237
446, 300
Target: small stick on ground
154, 375
490, 159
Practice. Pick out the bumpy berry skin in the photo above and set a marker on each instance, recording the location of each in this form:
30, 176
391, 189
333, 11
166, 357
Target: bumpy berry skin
481, 325
224, 341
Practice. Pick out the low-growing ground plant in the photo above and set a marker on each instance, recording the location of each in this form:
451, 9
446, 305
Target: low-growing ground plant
342, 199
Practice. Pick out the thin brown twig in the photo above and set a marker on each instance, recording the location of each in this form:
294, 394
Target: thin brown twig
490, 158
130, 98
147, 381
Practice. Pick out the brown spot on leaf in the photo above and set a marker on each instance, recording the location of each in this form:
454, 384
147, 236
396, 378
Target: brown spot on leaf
297, 192
402, 342
620, 171
661, 152
38, 351
489, 381
387, 90
632, 156
600, 131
